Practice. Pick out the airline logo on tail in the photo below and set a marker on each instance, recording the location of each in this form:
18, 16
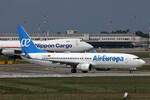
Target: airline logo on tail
25, 42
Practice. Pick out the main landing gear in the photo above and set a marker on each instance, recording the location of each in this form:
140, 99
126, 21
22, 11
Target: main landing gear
84, 71
132, 70
73, 70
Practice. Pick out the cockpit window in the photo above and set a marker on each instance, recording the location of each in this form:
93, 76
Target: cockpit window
136, 58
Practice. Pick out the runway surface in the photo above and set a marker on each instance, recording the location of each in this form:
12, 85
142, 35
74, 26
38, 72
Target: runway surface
32, 70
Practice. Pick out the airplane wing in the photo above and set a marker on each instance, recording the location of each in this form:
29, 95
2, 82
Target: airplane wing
47, 60
67, 63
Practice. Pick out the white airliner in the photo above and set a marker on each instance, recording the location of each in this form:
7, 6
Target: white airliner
78, 61
59, 45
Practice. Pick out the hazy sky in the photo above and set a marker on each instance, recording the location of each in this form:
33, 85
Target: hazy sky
82, 15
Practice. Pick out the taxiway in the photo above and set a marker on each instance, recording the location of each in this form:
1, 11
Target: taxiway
32, 70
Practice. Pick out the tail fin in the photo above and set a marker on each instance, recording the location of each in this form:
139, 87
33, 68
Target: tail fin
26, 43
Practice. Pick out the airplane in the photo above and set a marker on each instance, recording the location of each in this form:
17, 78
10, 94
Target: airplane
78, 61
60, 45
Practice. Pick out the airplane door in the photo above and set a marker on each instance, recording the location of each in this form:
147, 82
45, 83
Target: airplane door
76, 42
126, 60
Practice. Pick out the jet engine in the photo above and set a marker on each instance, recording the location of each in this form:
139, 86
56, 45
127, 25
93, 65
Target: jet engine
84, 67
10, 52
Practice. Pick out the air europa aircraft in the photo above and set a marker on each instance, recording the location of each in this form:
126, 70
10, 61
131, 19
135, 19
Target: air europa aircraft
78, 61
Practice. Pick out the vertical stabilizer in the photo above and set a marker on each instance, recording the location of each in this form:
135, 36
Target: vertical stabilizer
26, 43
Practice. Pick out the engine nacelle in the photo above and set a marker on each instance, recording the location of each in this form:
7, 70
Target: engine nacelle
84, 67
10, 52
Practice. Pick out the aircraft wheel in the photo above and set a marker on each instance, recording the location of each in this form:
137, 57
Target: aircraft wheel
84, 71
132, 70
73, 70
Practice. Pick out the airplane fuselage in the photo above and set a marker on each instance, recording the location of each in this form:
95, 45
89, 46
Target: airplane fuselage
98, 60
60, 45
78, 61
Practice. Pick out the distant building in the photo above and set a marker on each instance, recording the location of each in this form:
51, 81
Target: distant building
97, 40
71, 31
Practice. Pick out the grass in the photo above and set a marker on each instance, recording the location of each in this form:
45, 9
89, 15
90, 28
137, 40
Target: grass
144, 68
18, 61
86, 88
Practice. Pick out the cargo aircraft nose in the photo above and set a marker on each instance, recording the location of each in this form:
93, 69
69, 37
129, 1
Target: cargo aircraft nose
89, 46
86, 46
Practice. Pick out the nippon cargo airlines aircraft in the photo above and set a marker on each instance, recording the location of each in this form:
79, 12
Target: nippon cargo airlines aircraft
59, 45
78, 61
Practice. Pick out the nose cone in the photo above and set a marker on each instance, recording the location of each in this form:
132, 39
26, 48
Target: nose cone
138, 63
90, 46
85, 46
142, 62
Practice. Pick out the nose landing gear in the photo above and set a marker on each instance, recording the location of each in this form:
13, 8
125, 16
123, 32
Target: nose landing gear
132, 70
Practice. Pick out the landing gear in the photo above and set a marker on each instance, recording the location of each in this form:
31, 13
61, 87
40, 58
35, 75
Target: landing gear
84, 71
73, 70
1, 52
132, 70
